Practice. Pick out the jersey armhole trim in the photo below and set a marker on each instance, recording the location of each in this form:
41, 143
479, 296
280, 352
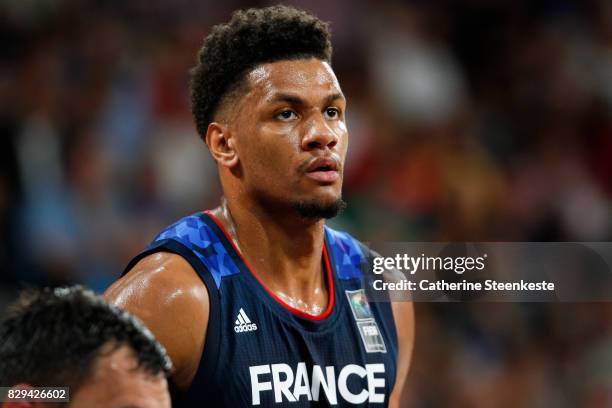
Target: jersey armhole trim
209, 359
385, 307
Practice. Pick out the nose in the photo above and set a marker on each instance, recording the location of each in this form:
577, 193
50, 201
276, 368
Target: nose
319, 134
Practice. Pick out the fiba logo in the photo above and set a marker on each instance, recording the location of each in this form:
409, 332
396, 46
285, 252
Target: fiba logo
370, 331
243, 323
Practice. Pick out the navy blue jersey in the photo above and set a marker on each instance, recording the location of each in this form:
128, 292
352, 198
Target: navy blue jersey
261, 352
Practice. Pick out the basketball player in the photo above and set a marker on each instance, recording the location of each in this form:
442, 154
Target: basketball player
258, 302
69, 337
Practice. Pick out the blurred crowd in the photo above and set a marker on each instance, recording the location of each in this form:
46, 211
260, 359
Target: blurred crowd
472, 120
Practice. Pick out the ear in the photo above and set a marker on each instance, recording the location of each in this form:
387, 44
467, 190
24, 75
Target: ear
222, 144
17, 403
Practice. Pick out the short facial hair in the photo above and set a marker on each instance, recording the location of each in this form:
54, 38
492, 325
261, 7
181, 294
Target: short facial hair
317, 210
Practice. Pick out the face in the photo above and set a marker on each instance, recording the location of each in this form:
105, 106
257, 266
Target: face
291, 136
116, 383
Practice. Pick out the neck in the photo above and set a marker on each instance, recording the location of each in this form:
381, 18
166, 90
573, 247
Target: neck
284, 251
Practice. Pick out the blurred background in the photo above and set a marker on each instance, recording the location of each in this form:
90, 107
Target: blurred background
477, 120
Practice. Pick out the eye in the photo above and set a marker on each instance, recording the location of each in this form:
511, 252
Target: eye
286, 115
332, 113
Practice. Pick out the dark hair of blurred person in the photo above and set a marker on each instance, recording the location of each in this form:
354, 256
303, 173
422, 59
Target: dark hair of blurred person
70, 337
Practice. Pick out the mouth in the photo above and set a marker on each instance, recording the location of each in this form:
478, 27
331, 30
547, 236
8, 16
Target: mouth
323, 169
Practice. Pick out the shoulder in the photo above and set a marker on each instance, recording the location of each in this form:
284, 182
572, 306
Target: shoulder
164, 291
159, 275
350, 255
342, 241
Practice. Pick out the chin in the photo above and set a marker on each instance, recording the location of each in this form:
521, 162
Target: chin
319, 209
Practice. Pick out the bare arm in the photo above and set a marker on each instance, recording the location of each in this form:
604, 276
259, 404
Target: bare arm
166, 293
403, 314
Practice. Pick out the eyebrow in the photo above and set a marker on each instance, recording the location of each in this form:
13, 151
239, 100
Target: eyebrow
297, 100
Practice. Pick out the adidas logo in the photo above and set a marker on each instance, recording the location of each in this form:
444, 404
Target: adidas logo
243, 323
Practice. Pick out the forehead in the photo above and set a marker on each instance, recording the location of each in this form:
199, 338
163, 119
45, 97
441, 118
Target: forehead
296, 76
116, 381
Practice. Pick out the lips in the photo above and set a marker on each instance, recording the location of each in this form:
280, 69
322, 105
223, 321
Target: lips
323, 169
322, 164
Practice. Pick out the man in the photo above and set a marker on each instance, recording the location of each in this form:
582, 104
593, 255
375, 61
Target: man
69, 337
256, 301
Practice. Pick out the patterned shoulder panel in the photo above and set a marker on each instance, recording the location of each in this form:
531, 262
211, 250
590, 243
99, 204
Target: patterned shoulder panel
197, 236
347, 254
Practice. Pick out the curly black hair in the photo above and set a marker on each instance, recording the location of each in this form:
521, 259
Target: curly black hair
250, 38
52, 337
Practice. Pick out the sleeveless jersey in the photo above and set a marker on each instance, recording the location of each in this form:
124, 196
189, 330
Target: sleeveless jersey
261, 352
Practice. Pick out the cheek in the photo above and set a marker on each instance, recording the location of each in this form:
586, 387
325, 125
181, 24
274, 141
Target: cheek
275, 152
281, 165
343, 139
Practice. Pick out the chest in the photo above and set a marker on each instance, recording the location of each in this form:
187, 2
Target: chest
269, 356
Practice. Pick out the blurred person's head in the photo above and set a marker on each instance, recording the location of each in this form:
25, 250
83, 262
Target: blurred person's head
70, 337
270, 108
